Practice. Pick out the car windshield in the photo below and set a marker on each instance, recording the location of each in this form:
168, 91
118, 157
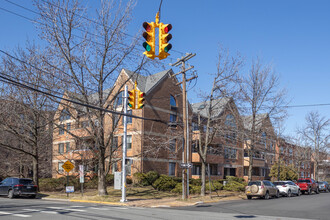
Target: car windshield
25, 181
254, 183
303, 181
279, 183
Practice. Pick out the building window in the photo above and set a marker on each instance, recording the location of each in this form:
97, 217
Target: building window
194, 147
60, 168
213, 169
196, 170
65, 115
114, 143
114, 167
68, 126
171, 169
129, 141
172, 144
61, 148
172, 102
118, 100
173, 118
61, 129
128, 119
67, 144
194, 126
230, 153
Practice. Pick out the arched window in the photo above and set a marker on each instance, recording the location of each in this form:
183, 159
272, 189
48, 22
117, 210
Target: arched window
172, 101
65, 115
119, 99
230, 121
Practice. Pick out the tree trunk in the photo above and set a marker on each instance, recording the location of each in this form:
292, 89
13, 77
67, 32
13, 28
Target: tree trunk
35, 170
203, 177
102, 188
250, 165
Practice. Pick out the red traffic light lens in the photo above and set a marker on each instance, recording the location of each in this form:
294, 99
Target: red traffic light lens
146, 26
168, 28
142, 94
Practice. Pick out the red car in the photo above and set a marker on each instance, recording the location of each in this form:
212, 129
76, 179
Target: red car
308, 185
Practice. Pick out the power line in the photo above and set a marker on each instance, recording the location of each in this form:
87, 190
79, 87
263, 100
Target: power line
15, 83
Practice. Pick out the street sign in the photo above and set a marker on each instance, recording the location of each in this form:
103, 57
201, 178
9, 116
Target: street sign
68, 166
186, 165
81, 173
69, 189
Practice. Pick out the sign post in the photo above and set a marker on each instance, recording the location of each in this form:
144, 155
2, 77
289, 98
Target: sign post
67, 166
82, 179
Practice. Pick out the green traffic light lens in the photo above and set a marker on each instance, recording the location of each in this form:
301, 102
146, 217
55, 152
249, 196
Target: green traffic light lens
168, 48
146, 46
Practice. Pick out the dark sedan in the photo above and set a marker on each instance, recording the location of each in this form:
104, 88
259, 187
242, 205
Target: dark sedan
13, 187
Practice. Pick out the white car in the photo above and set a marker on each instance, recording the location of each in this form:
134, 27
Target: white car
287, 188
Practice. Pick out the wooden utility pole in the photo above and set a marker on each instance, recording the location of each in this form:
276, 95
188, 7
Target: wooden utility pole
185, 151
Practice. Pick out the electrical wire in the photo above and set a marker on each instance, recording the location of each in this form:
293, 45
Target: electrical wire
15, 83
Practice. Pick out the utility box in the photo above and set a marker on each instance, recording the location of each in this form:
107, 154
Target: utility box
118, 180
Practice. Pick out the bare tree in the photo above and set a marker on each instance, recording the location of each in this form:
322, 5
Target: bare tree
260, 95
26, 115
91, 52
222, 92
316, 134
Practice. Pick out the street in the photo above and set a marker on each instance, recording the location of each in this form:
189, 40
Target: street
304, 207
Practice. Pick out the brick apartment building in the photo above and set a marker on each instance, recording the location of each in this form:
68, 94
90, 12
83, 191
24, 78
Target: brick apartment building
152, 145
156, 144
264, 147
225, 154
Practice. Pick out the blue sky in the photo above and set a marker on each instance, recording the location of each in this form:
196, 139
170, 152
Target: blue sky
292, 35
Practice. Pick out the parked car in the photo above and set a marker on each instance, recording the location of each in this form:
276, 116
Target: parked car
308, 185
262, 189
324, 186
13, 187
287, 188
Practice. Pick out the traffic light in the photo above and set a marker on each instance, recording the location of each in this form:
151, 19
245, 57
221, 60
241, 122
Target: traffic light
149, 35
164, 38
131, 99
140, 99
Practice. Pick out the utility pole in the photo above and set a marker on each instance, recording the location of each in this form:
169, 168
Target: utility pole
185, 153
123, 167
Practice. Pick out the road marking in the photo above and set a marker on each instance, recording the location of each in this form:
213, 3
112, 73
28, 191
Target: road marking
31, 210
49, 212
120, 208
5, 213
99, 208
65, 209
77, 206
23, 216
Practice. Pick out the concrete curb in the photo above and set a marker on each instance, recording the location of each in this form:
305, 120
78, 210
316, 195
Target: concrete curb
99, 202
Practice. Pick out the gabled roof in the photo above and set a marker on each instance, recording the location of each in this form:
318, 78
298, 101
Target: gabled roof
218, 107
247, 121
147, 83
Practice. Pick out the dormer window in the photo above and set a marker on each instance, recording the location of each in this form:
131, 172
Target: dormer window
65, 115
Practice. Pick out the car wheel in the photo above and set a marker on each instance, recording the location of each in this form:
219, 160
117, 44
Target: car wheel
32, 196
277, 194
289, 193
317, 191
249, 197
10, 194
266, 195
309, 191
299, 193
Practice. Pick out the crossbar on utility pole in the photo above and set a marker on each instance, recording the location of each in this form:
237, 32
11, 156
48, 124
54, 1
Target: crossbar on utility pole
185, 150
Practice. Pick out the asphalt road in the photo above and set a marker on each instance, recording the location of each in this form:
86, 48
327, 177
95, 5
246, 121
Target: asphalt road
303, 207
314, 206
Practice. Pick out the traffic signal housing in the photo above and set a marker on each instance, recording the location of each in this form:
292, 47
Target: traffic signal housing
131, 98
164, 38
140, 99
149, 36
